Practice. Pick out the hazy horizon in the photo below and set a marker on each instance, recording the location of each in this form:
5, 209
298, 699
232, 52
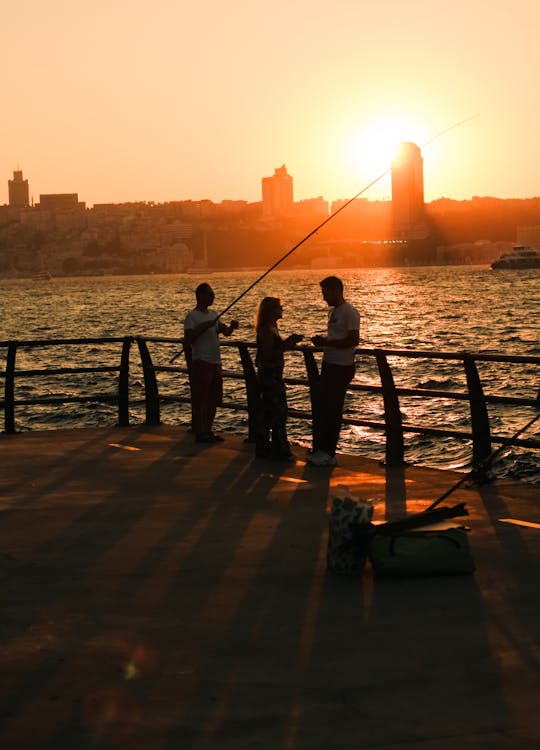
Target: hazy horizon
176, 102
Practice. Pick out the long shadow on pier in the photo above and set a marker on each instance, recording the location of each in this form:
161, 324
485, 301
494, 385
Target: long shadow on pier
160, 594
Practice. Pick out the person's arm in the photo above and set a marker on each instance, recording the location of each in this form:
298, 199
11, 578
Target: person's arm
351, 338
226, 330
291, 341
271, 344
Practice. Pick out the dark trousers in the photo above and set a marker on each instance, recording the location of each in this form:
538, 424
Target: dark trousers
206, 381
271, 436
328, 410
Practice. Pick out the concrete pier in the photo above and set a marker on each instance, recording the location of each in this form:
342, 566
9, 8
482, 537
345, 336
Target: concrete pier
163, 595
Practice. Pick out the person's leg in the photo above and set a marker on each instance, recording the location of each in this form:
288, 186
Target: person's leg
280, 442
318, 412
202, 397
215, 395
262, 438
268, 433
336, 379
198, 395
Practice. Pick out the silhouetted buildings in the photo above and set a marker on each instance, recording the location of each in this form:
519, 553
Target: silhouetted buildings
59, 233
60, 202
277, 193
408, 193
18, 190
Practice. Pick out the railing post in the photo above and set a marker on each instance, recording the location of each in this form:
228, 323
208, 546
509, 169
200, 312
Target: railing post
123, 384
314, 379
253, 392
479, 414
9, 410
392, 412
150, 385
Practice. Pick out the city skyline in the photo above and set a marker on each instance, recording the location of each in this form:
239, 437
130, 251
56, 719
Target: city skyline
186, 102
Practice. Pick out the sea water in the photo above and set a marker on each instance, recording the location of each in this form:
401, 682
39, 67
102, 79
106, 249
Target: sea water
446, 308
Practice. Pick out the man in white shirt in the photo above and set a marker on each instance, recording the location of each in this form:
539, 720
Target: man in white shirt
206, 379
337, 371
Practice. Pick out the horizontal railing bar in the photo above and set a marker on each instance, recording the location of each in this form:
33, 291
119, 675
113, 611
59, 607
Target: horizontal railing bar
169, 368
67, 400
358, 387
407, 353
165, 340
60, 342
436, 432
516, 400
421, 353
235, 405
423, 393
455, 356
411, 353
65, 371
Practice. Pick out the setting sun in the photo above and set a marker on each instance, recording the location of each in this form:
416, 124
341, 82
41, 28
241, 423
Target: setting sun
373, 147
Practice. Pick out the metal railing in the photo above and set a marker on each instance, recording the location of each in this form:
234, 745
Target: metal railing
120, 397
392, 424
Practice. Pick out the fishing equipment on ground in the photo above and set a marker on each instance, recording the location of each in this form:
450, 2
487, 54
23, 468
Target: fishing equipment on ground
346, 513
422, 543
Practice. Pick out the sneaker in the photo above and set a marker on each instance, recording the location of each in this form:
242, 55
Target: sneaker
217, 438
310, 455
284, 457
320, 458
204, 437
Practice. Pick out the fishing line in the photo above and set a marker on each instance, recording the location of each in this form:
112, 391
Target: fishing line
322, 224
483, 465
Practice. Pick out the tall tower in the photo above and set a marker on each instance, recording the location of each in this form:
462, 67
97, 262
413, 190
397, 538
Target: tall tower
18, 190
277, 193
408, 191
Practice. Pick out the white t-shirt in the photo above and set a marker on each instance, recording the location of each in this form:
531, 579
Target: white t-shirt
205, 346
341, 320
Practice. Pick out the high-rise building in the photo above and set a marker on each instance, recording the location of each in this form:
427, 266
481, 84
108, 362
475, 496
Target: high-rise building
18, 190
277, 193
408, 192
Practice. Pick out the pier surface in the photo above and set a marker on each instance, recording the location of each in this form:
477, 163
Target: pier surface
158, 594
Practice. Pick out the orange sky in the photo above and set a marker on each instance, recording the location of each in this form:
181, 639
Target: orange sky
172, 100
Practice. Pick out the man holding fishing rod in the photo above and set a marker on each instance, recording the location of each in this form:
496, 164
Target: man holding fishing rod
201, 329
337, 371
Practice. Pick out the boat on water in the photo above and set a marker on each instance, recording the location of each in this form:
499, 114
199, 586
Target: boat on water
520, 256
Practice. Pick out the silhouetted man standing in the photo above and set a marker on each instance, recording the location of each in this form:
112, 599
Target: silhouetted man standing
206, 379
337, 371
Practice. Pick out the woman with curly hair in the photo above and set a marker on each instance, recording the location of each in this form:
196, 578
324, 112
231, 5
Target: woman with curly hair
272, 439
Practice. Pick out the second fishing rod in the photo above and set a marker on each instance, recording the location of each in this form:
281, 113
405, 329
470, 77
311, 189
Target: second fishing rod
320, 226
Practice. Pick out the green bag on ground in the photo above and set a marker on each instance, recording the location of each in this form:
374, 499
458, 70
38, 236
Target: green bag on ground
421, 553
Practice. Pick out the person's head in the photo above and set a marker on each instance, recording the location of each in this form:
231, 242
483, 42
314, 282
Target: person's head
332, 290
270, 310
204, 294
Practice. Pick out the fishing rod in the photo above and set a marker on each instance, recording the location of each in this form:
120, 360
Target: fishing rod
362, 533
322, 224
483, 465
